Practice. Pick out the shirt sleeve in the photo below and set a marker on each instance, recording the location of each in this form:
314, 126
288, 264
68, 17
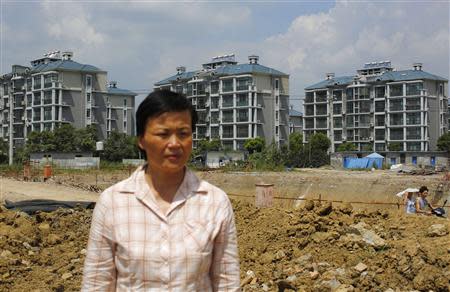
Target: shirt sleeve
225, 262
99, 268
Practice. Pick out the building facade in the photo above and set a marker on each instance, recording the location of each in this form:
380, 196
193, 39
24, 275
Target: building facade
55, 90
379, 109
295, 121
235, 102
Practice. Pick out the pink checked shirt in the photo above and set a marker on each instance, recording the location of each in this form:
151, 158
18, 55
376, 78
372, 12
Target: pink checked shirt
133, 246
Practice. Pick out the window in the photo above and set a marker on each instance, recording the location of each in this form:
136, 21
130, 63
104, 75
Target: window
47, 113
88, 97
337, 95
413, 118
309, 97
414, 88
337, 135
37, 98
396, 134
277, 85
88, 113
200, 88
380, 92
227, 132
379, 120
227, 116
124, 126
243, 83
396, 105
349, 93
124, 115
396, 90
88, 81
242, 131
190, 89
413, 133
214, 102
125, 102
441, 89
37, 82
380, 134
227, 101
396, 119
227, 85
413, 104
337, 122
242, 99
214, 87
48, 97
214, 117
379, 106
321, 96
276, 131
242, 116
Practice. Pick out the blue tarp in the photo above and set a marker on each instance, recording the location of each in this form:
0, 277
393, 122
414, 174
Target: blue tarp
372, 160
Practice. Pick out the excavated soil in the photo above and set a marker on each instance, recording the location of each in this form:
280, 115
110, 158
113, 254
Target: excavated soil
313, 248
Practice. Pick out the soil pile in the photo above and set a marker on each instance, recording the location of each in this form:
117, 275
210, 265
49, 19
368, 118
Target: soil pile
316, 248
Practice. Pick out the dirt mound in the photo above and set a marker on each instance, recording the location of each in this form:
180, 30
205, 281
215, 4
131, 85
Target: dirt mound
319, 249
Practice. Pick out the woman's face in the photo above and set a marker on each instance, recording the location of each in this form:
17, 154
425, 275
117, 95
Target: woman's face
167, 141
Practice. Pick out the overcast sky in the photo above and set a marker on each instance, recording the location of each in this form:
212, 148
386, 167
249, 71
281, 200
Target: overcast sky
142, 42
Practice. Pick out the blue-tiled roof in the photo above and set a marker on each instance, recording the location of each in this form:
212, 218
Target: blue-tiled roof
403, 75
182, 76
406, 75
120, 91
226, 70
294, 113
65, 65
344, 80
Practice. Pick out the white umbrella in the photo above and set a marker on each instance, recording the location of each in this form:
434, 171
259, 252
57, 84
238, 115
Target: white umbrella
408, 190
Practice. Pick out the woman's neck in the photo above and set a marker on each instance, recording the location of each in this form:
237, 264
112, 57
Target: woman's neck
165, 184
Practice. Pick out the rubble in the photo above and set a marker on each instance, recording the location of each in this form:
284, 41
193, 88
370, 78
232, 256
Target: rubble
280, 250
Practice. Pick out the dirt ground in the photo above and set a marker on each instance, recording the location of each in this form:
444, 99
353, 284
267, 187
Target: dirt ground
289, 247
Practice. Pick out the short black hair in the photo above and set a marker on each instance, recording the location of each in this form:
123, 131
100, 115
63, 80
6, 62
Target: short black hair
159, 102
423, 189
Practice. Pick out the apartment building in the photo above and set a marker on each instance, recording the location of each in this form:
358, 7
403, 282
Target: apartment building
295, 121
55, 90
235, 102
378, 108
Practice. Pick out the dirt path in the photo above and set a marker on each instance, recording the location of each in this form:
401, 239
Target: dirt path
14, 190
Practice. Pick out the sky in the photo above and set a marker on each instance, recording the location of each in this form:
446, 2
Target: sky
142, 42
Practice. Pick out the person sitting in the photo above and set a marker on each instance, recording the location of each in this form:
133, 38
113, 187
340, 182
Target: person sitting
422, 203
409, 203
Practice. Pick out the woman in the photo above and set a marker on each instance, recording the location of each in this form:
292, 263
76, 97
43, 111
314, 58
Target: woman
409, 203
163, 229
422, 203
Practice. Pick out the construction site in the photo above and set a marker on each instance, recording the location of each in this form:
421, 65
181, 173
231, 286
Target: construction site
320, 230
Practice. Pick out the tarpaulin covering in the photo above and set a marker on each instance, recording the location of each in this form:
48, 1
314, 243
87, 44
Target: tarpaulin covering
372, 160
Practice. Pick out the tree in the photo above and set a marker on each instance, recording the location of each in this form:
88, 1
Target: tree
4, 147
443, 143
294, 153
119, 146
396, 146
86, 139
64, 138
254, 145
318, 150
320, 141
346, 146
207, 145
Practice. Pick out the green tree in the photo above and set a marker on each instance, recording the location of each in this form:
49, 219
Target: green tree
254, 145
85, 139
320, 141
443, 143
318, 150
347, 146
4, 147
396, 146
64, 138
119, 146
294, 153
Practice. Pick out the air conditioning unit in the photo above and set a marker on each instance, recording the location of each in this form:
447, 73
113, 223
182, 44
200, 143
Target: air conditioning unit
259, 105
258, 121
23, 118
22, 102
371, 125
